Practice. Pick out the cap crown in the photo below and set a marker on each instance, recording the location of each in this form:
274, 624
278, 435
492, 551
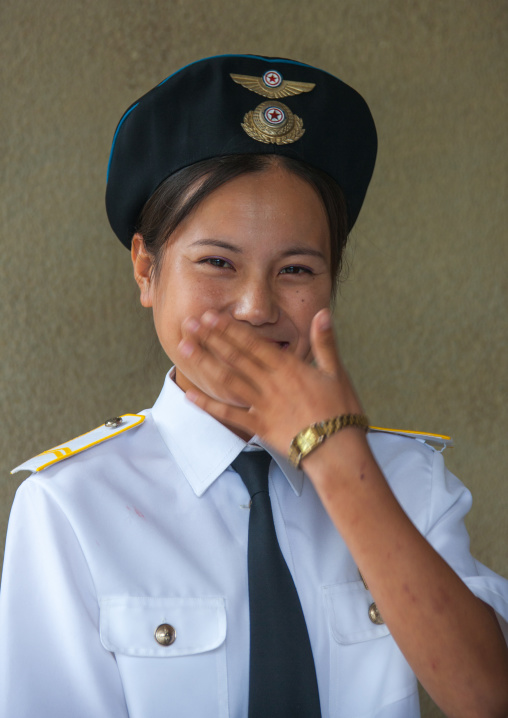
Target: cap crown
239, 104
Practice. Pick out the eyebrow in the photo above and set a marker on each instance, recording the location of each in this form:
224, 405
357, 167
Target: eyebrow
303, 250
291, 251
216, 243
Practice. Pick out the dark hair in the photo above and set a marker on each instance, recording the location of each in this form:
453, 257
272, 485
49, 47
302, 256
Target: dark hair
174, 199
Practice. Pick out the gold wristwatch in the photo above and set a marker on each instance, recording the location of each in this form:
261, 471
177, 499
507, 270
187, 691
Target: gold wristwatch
312, 436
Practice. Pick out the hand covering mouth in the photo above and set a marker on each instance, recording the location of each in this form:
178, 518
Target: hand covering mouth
281, 344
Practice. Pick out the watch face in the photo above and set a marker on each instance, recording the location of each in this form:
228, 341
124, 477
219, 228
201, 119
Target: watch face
304, 442
309, 438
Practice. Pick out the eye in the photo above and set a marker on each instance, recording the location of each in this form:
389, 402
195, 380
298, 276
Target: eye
216, 262
296, 269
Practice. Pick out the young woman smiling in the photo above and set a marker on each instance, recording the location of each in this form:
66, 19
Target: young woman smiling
141, 552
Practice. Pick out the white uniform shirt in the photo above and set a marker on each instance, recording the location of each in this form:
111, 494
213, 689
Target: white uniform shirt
151, 527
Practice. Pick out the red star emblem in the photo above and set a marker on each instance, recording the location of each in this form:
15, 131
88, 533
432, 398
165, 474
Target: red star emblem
274, 115
272, 78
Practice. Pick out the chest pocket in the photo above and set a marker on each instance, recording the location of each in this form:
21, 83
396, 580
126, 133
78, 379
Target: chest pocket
368, 671
170, 653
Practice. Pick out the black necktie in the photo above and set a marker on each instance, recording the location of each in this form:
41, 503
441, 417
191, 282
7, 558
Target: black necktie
282, 673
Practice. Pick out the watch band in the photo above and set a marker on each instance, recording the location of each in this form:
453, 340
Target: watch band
312, 436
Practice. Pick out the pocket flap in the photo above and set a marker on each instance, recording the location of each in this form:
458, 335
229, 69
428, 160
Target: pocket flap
347, 607
128, 624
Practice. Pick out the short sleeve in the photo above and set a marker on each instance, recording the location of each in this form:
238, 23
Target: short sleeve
52, 663
449, 503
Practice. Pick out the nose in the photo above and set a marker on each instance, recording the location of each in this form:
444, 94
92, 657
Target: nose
256, 303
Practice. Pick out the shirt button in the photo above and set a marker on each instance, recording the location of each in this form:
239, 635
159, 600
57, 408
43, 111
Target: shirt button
165, 634
374, 615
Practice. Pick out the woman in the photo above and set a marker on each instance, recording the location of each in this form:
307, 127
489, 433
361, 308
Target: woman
152, 586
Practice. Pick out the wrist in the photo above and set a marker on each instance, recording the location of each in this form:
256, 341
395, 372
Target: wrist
342, 462
311, 438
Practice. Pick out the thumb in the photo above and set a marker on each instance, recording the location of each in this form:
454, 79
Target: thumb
323, 343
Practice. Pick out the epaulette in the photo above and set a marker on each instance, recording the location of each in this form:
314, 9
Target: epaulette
112, 427
437, 441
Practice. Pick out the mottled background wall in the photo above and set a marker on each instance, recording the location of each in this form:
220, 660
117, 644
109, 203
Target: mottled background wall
422, 319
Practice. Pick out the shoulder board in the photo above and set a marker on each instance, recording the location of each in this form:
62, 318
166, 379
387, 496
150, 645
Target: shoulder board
436, 440
111, 428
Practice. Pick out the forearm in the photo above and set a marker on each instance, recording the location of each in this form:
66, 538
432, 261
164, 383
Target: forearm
449, 637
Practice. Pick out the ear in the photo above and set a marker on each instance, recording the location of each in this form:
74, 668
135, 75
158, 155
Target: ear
142, 263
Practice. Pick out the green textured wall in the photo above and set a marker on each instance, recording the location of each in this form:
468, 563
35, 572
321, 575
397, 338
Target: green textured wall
422, 319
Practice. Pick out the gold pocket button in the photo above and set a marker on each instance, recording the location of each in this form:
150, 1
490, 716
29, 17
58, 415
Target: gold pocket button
165, 634
374, 615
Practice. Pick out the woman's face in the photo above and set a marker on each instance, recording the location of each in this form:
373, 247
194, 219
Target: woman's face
257, 248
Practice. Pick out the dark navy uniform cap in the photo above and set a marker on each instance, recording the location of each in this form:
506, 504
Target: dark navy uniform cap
239, 104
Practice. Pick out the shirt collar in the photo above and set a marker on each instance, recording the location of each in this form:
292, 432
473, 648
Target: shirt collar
203, 447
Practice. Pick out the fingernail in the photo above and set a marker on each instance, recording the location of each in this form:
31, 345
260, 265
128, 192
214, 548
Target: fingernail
191, 395
191, 324
185, 348
325, 320
210, 318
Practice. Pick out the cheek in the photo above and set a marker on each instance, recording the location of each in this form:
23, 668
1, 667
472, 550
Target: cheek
179, 301
168, 314
307, 303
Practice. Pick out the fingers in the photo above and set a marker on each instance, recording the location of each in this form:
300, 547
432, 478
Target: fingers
210, 372
249, 383
323, 343
234, 344
328, 361
232, 416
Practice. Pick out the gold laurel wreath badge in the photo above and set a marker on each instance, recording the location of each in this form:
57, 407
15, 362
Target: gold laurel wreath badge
255, 126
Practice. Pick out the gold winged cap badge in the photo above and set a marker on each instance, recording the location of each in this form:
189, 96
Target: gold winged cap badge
272, 121
272, 85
